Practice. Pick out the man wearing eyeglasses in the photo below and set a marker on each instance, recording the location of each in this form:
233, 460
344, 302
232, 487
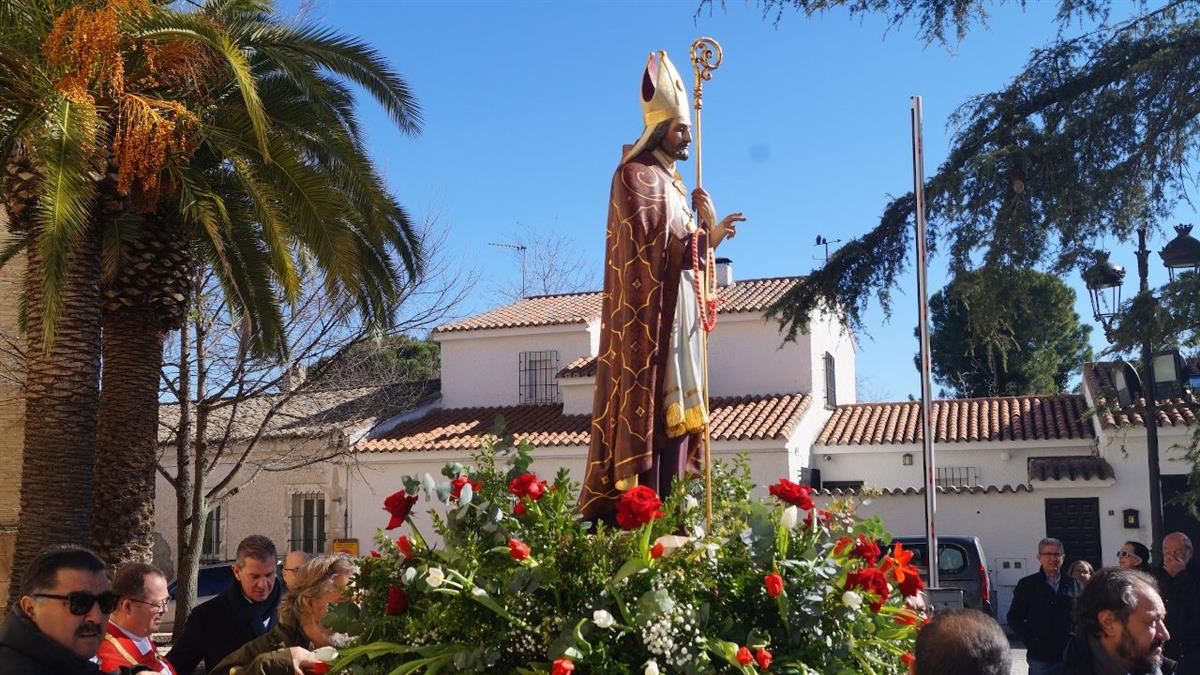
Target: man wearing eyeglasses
143, 592
1042, 609
59, 621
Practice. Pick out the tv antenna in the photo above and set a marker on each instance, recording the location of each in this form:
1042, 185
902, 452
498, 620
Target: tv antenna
515, 247
822, 241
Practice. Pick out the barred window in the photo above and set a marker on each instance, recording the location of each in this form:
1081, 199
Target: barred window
308, 523
957, 476
536, 383
210, 545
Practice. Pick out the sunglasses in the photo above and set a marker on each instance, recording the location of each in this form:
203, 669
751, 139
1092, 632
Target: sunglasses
1126, 554
80, 603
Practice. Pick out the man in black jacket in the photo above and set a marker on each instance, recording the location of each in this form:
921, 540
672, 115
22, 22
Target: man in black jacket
1042, 609
1178, 586
1121, 629
57, 624
248, 609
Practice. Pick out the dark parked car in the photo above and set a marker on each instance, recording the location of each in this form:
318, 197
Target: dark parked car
211, 580
961, 564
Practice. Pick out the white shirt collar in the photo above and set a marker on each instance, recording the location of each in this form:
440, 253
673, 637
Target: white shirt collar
142, 643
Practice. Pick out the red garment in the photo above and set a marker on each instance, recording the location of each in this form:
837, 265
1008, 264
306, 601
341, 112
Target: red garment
118, 650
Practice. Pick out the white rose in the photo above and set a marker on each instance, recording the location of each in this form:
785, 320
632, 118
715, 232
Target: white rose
651, 668
791, 515
690, 503
851, 599
327, 654
478, 592
602, 619
409, 575
435, 577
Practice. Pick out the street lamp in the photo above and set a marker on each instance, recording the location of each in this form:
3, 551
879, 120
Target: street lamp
1103, 280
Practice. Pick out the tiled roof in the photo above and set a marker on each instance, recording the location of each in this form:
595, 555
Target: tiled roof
309, 413
1084, 467
941, 490
584, 366
1178, 411
1010, 418
734, 419
750, 295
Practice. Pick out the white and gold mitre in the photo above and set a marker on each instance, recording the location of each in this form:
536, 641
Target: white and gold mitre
664, 97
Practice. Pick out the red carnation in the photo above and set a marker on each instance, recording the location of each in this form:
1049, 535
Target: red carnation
867, 549
763, 659
519, 509
870, 579
792, 493
374, 553
518, 550
457, 484
911, 585
399, 505
656, 551
397, 601
908, 659
563, 666
405, 546
774, 584
744, 657
527, 485
638, 506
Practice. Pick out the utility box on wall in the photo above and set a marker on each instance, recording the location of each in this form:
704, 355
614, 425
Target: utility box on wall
1010, 570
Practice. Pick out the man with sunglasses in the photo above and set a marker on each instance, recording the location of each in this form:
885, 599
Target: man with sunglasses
57, 624
143, 596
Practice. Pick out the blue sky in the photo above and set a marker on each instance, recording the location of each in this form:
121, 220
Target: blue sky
805, 128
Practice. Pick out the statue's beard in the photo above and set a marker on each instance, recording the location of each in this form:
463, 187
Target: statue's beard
679, 153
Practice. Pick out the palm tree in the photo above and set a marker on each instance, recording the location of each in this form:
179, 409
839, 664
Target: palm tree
94, 101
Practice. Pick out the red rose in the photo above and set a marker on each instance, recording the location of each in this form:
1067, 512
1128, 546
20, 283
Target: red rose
763, 659
374, 553
908, 659
842, 544
638, 506
792, 493
405, 546
870, 579
527, 485
911, 585
562, 666
397, 601
457, 484
399, 505
867, 549
518, 550
774, 584
744, 657
656, 551
519, 509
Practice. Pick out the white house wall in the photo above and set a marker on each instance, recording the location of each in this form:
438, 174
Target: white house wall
747, 355
482, 367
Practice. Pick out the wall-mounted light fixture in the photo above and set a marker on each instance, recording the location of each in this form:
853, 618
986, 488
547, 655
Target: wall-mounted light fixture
1131, 519
828, 458
907, 459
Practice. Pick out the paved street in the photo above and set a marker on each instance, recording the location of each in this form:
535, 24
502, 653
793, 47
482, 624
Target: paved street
1019, 667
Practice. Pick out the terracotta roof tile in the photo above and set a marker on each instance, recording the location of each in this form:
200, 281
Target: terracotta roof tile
1084, 467
750, 295
942, 490
1172, 412
742, 418
1009, 418
584, 366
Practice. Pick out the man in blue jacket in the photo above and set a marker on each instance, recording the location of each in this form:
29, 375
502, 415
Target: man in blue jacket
1042, 609
248, 609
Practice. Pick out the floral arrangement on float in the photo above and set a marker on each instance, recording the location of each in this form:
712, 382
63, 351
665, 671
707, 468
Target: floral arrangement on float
521, 585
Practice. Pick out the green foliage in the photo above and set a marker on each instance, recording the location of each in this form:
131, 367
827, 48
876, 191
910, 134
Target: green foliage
1094, 137
395, 358
1000, 331
608, 599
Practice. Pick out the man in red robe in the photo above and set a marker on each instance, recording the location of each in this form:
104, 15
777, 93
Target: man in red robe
143, 592
650, 407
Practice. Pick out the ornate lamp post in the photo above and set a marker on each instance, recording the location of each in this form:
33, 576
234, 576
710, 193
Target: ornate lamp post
1103, 281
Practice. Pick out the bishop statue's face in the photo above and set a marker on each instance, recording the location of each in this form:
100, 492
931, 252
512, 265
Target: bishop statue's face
677, 140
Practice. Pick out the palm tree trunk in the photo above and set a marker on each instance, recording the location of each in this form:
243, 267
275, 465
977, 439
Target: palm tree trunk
127, 436
62, 388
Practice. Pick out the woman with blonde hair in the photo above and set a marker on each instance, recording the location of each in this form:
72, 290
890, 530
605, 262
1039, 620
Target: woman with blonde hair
289, 647
1081, 571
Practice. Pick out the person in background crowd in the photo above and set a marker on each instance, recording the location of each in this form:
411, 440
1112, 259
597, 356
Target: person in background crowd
1081, 571
142, 590
56, 625
1179, 588
961, 642
1042, 609
1121, 629
292, 562
288, 648
1134, 556
248, 609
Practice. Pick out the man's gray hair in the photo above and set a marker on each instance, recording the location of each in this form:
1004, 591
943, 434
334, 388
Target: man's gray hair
258, 547
314, 579
1051, 541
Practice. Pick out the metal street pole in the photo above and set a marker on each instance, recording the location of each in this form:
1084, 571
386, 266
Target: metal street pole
1151, 414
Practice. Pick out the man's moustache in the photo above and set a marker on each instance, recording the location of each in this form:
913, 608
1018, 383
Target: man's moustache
89, 629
